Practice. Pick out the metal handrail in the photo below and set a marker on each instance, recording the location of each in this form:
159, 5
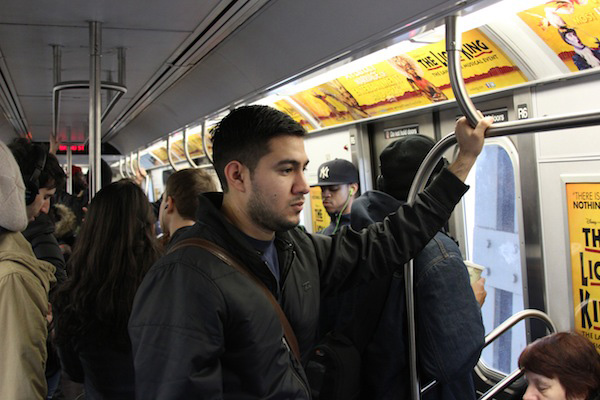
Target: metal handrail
204, 143
169, 156
495, 334
121, 169
186, 150
502, 328
501, 129
131, 165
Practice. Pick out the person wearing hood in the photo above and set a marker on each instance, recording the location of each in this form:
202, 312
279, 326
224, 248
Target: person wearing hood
24, 285
450, 329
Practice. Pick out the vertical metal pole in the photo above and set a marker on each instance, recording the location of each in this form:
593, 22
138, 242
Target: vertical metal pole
121, 61
69, 163
56, 50
95, 104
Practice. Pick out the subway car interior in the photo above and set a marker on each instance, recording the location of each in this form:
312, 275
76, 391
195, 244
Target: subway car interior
141, 85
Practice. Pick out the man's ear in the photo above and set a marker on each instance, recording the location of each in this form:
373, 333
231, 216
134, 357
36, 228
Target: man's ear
237, 175
354, 189
169, 205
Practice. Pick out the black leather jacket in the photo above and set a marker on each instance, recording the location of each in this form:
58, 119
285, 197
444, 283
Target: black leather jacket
199, 329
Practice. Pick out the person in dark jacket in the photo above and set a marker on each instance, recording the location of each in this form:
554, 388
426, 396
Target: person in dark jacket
113, 251
450, 331
42, 177
180, 200
200, 329
338, 180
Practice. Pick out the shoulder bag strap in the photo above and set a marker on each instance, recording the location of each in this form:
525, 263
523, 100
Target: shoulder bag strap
228, 259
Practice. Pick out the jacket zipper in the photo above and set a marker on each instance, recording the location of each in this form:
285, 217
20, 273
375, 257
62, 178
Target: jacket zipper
294, 372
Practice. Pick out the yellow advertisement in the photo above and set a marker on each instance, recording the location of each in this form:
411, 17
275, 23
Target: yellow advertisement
583, 205
177, 150
160, 153
571, 28
410, 80
286, 107
320, 218
195, 145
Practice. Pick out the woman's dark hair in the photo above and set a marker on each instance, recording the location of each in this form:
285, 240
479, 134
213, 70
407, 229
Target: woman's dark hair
113, 251
244, 134
568, 357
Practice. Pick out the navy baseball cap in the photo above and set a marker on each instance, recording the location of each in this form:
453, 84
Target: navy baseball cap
337, 172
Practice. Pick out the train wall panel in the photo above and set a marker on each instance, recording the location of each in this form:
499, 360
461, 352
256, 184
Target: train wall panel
572, 152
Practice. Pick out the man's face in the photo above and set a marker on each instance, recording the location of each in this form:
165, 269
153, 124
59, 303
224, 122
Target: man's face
334, 197
278, 185
41, 204
162, 214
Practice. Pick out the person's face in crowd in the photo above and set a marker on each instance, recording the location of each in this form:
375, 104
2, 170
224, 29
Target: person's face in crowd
278, 185
41, 204
334, 197
79, 182
541, 387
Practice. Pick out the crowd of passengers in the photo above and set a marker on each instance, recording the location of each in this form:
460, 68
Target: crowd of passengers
236, 300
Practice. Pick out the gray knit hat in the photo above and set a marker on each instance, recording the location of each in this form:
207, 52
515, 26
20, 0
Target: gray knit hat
13, 215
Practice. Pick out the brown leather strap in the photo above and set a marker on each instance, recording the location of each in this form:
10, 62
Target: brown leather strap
228, 259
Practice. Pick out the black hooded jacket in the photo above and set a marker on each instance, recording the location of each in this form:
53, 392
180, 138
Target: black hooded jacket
200, 329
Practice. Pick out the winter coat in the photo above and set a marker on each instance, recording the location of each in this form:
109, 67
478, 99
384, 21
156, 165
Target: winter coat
24, 285
200, 329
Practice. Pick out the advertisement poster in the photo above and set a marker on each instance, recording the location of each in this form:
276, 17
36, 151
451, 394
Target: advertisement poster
286, 107
583, 211
160, 153
320, 218
410, 80
195, 145
571, 28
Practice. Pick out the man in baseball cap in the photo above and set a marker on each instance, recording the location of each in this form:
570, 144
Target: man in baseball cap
338, 180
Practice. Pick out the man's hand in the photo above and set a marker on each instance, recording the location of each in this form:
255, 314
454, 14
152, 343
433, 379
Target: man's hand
479, 291
470, 143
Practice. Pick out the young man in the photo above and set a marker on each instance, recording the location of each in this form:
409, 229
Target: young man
42, 175
180, 200
338, 180
450, 332
24, 285
201, 329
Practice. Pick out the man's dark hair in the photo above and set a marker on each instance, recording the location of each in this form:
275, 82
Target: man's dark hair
244, 134
25, 152
185, 187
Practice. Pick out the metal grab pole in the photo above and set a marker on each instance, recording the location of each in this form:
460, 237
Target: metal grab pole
94, 133
204, 147
574, 120
169, 156
186, 149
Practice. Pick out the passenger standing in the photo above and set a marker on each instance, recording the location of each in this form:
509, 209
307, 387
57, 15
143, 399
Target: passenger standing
201, 329
338, 180
181, 200
42, 175
450, 331
24, 285
113, 251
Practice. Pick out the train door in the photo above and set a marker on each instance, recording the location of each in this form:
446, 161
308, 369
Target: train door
382, 133
490, 224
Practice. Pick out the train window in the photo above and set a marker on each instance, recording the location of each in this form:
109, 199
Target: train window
494, 240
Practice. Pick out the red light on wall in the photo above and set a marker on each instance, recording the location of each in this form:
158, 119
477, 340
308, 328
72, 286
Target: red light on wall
62, 147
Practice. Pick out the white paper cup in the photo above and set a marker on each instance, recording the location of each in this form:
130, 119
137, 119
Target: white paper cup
475, 271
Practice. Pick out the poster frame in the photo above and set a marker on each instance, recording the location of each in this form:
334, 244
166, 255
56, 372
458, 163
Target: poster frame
565, 180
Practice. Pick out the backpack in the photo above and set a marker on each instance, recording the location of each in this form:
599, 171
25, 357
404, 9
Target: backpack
334, 364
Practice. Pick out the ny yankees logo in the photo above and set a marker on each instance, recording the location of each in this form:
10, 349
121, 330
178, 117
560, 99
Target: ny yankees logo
324, 173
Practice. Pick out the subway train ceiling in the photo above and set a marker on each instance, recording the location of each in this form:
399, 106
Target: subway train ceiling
183, 59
